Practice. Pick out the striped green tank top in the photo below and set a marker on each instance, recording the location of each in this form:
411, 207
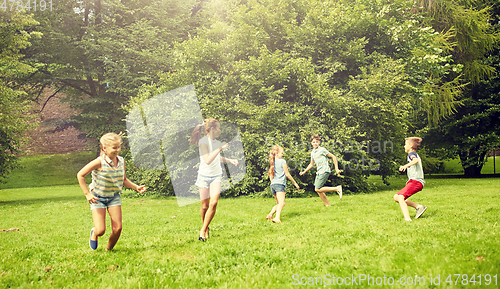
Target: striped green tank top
109, 179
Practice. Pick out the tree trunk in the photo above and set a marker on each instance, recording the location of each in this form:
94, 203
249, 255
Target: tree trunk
472, 162
472, 171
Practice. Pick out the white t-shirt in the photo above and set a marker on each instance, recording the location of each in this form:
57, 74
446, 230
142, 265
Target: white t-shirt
214, 168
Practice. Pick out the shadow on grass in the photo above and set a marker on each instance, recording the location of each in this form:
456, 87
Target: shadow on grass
294, 214
37, 201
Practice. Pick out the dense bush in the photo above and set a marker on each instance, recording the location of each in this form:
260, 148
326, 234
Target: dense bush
282, 71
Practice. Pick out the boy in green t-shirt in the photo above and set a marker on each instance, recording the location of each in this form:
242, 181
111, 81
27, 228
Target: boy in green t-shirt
319, 157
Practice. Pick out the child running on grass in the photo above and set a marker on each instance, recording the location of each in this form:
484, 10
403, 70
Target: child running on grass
319, 157
108, 178
277, 172
210, 170
415, 179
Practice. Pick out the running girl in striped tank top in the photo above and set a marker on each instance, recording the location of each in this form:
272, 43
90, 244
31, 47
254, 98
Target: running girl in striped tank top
108, 178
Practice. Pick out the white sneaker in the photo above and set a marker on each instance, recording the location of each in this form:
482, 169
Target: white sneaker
340, 191
420, 210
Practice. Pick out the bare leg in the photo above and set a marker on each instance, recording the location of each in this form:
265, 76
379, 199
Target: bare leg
99, 217
212, 208
280, 196
323, 197
404, 207
328, 189
273, 210
411, 204
205, 203
115, 214
321, 192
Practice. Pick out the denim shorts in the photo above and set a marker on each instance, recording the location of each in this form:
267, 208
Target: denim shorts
277, 188
204, 181
106, 202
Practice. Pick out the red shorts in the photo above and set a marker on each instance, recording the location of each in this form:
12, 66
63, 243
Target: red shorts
412, 187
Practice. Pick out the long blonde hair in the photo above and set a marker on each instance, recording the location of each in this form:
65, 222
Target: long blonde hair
276, 149
208, 124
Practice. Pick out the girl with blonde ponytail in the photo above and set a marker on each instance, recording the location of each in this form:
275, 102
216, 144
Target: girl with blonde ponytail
277, 172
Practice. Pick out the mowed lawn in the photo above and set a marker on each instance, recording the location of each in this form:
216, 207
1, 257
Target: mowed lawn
358, 238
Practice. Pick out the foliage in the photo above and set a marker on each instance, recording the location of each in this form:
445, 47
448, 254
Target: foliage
16, 34
100, 53
431, 165
157, 181
351, 71
472, 132
469, 22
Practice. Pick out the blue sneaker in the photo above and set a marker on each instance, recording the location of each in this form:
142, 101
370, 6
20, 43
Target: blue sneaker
92, 244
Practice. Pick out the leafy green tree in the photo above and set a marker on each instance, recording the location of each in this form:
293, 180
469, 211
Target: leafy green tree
100, 52
15, 33
470, 25
351, 71
471, 132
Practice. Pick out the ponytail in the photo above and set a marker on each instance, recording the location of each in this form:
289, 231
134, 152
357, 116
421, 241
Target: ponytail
272, 156
196, 135
206, 126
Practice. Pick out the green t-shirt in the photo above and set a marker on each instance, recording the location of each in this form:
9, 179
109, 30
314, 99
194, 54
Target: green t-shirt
320, 158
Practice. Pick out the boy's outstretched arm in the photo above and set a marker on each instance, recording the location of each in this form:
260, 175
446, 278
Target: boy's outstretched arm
412, 163
335, 163
308, 168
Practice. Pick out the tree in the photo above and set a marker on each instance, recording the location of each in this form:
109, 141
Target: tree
472, 131
16, 33
283, 70
100, 52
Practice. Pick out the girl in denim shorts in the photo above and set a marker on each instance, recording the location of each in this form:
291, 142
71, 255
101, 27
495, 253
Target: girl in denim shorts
108, 178
210, 170
277, 172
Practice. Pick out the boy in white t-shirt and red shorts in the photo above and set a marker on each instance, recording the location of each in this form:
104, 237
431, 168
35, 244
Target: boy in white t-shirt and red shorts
415, 179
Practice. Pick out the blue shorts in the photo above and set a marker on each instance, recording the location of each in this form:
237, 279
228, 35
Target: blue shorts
205, 181
277, 188
320, 180
106, 202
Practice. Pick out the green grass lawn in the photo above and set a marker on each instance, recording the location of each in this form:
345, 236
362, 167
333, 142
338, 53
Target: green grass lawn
47, 170
455, 167
358, 236
488, 166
